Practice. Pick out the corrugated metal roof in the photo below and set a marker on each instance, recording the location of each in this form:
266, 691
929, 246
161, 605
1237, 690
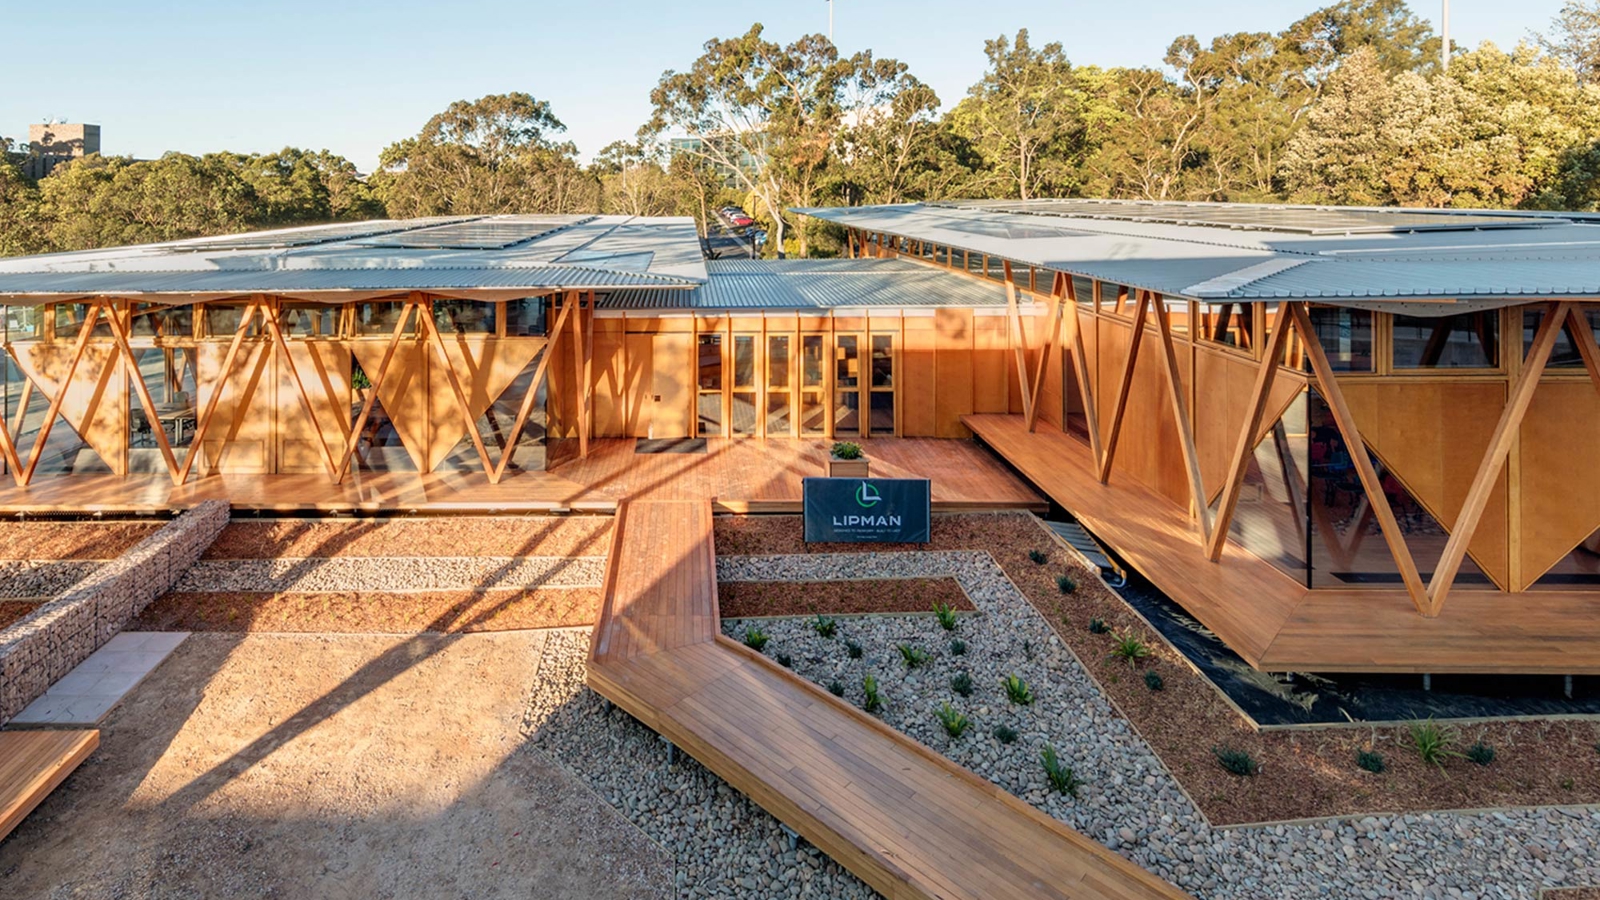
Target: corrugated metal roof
1522, 256
539, 253
817, 284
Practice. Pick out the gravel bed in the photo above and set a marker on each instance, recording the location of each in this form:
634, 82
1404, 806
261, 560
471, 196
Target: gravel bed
390, 574
1129, 800
723, 845
41, 578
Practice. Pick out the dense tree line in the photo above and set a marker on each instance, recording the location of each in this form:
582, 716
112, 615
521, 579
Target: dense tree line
1348, 105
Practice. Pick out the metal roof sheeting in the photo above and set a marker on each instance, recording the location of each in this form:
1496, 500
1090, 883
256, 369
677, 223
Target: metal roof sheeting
536, 253
1514, 257
799, 284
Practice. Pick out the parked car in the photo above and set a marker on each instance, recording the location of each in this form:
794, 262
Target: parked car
742, 221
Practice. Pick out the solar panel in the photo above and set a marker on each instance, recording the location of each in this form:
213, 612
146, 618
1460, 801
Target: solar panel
479, 234
308, 237
1292, 219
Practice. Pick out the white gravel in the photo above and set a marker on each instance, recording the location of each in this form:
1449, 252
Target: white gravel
391, 574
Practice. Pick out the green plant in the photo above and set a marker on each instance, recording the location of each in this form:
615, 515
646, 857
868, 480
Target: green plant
1065, 583
835, 688
824, 626
1152, 680
1060, 774
871, 701
1005, 734
914, 657
1039, 558
1371, 760
958, 647
955, 724
1481, 753
756, 639
358, 377
853, 649
962, 684
785, 660
1098, 626
946, 614
1130, 648
846, 450
1027, 650
1017, 690
1433, 742
1239, 762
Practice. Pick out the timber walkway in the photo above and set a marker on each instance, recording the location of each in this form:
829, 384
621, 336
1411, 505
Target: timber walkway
904, 819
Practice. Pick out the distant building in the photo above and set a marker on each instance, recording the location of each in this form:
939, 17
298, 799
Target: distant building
52, 143
714, 156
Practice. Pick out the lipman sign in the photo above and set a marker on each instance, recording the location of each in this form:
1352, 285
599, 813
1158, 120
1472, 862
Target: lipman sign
868, 510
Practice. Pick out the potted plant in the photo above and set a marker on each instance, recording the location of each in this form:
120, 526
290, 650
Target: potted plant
847, 461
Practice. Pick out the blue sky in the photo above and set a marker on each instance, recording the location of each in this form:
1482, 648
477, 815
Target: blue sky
354, 76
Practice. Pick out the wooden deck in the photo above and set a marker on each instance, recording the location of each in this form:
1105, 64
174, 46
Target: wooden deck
34, 763
749, 475
904, 819
1274, 622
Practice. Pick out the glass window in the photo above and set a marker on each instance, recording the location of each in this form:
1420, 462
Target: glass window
1083, 288
847, 361
882, 360
995, 268
778, 362
380, 318
463, 317
1565, 354
882, 412
975, 262
1464, 341
310, 321
1345, 335
22, 322
778, 413
525, 317
70, 318
1230, 324
744, 361
222, 320
710, 362
163, 321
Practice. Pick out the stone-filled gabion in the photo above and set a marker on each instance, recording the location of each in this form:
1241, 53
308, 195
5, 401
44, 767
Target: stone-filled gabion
39, 649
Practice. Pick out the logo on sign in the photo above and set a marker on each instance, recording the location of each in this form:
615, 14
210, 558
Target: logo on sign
867, 496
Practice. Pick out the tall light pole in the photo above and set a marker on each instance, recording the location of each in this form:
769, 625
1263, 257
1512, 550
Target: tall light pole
1444, 49
830, 19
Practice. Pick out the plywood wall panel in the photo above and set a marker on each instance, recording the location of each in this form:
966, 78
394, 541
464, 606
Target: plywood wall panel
96, 400
994, 369
1559, 478
240, 438
953, 341
918, 377
324, 368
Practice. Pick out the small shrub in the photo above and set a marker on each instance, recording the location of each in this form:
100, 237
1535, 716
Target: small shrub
871, 700
1005, 734
1433, 742
1027, 650
1130, 648
824, 626
785, 660
1060, 774
1017, 690
1370, 760
853, 649
1152, 680
835, 688
1239, 762
914, 657
955, 724
756, 639
1065, 584
847, 450
1481, 753
1039, 557
958, 647
946, 615
962, 684
1098, 626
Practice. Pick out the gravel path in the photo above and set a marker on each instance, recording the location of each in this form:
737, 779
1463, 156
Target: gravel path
1130, 801
41, 578
390, 574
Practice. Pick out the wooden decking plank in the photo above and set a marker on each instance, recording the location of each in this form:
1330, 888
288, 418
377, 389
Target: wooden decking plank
903, 818
34, 763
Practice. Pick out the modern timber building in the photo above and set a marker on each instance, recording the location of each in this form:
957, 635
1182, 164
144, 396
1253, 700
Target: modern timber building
1342, 439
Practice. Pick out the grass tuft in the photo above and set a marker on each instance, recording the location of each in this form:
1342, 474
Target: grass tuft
824, 626
1060, 774
872, 700
914, 657
1005, 734
946, 614
1239, 762
955, 724
1017, 691
1152, 680
756, 639
1370, 760
962, 684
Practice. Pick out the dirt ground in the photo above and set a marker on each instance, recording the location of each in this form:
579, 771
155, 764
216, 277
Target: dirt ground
329, 766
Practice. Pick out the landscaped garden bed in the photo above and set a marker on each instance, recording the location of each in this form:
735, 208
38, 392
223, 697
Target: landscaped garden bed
39, 540
1299, 773
12, 610
432, 536
839, 598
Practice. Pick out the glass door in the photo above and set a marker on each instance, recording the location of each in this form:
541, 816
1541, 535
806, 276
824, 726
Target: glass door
742, 405
709, 391
881, 390
846, 385
813, 385
780, 419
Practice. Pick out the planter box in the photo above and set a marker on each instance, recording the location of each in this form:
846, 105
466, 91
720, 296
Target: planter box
847, 468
